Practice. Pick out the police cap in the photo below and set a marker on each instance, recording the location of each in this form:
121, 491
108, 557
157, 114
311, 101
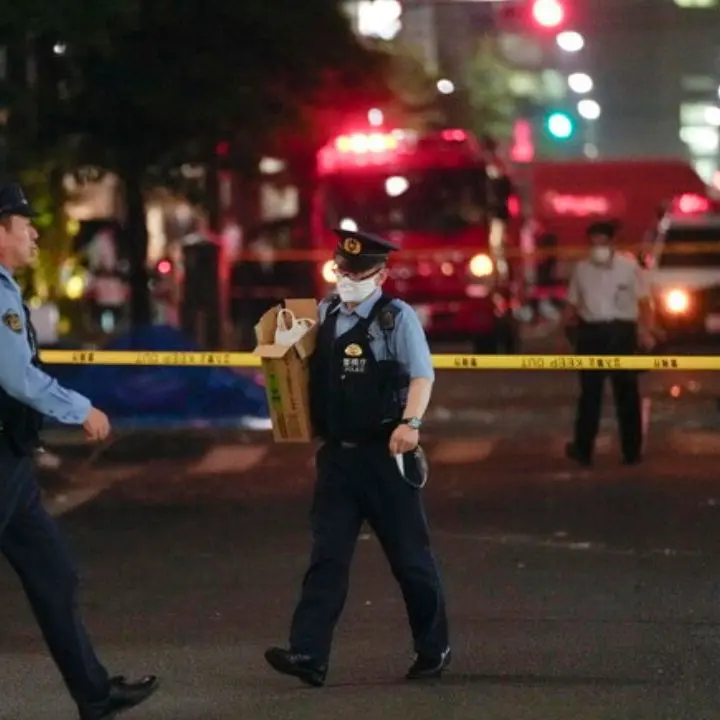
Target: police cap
605, 228
359, 251
13, 201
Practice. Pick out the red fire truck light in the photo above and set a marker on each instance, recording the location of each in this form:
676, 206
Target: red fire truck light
690, 204
362, 143
454, 135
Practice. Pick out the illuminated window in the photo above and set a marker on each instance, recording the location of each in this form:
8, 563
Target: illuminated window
696, 3
695, 113
700, 140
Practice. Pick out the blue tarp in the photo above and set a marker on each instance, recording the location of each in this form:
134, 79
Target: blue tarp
166, 396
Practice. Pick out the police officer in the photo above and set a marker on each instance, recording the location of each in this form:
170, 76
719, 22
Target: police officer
371, 381
29, 538
608, 300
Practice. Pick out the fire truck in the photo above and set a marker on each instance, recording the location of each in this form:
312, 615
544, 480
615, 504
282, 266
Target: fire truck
560, 198
430, 194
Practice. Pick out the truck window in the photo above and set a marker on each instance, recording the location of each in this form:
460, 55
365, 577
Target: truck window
680, 238
435, 200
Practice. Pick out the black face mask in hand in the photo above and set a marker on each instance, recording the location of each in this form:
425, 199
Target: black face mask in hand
413, 467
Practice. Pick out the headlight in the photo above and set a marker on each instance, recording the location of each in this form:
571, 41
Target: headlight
677, 302
481, 266
328, 272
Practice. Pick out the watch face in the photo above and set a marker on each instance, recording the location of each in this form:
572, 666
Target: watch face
414, 423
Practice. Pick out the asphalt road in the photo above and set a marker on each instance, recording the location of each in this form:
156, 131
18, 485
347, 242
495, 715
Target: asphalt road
572, 594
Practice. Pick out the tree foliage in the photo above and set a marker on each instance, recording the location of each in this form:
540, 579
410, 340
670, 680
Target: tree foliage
144, 85
493, 106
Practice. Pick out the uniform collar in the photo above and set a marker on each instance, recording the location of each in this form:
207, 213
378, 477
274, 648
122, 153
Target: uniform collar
4, 272
363, 309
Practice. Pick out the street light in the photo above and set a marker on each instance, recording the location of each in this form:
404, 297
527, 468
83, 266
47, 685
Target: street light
589, 109
570, 41
580, 83
445, 86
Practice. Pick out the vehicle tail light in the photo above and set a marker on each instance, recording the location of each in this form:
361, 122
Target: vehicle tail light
481, 266
453, 135
690, 204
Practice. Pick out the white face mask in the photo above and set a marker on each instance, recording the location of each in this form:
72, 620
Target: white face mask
601, 254
355, 291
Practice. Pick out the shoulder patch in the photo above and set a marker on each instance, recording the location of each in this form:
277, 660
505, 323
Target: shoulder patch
12, 320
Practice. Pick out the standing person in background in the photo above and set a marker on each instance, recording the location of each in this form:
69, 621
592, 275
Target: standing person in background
609, 303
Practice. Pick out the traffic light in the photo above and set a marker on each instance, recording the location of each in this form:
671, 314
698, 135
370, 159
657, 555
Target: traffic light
549, 14
560, 125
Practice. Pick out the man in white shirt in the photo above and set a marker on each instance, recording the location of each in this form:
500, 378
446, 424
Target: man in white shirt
608, 299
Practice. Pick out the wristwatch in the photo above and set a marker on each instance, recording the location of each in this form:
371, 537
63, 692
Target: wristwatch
413, 423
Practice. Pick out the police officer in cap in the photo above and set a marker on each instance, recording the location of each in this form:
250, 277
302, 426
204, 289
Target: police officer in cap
371, 381
29, 538
609, 307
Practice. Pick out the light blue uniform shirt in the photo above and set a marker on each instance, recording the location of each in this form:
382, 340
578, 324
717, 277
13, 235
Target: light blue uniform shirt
19, 377
406, 342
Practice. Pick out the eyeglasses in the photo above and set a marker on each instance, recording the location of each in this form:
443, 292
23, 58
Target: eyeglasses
355, 275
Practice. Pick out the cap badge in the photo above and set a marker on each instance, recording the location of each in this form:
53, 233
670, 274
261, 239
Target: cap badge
352, 246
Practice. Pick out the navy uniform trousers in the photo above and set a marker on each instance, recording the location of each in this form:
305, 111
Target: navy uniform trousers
32, 543
356, 484
619, 338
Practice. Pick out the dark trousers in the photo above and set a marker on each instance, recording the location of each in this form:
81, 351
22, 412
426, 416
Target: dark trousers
353, 485
31, 541
616, 338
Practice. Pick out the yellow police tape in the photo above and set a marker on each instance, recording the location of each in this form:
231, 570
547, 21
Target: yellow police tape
441, 362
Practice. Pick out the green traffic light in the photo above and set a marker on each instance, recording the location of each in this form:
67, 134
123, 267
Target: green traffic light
560, 125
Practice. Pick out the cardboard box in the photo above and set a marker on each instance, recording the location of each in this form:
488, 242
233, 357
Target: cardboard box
287, 375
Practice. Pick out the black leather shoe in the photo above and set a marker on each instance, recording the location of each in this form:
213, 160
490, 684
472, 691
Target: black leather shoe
632, 460
300, 666
425, 668
572, 453
123, 696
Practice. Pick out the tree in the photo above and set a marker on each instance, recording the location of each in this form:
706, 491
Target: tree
493, 106
139, 86
413, 87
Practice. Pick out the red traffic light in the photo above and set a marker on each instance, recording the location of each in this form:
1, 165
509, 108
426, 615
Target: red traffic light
548, 13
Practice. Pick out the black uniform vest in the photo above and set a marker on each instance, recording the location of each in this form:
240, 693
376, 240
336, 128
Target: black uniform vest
20, 423
353, 396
